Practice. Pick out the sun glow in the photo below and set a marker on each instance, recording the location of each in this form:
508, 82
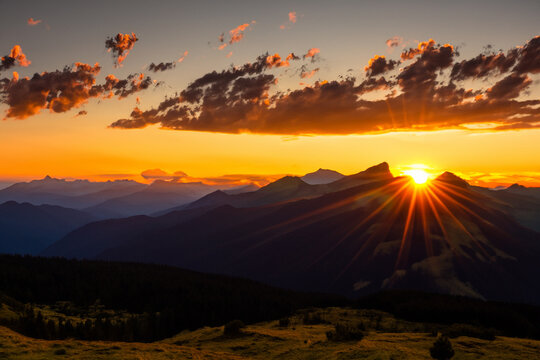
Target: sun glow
419, 176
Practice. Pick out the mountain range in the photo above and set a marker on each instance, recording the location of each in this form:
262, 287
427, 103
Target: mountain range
355, 235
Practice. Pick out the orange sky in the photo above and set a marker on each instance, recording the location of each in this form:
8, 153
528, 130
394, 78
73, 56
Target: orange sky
348, 69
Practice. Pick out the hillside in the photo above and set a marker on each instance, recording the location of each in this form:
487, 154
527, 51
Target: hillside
384, 338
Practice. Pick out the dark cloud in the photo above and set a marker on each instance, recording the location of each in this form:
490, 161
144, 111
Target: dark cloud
161, 66
379, 65
82, 113
425, 94
483, 65
120, 45
62, 90
510, 87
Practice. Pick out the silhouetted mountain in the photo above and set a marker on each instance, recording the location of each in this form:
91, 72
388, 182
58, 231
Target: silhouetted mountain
451, 178
523, 190
322, 176
76, 194
379, 235
158, 196
374, 173
522, 203
288, 188
28, 229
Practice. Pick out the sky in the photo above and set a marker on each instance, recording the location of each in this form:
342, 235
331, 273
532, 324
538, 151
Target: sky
354, 83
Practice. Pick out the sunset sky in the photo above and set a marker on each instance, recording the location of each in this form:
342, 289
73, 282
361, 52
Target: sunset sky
467, 101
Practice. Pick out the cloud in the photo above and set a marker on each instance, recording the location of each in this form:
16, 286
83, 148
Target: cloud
158, 174
224, 181
229, 54
379, 65
183, 56
120, 45
15, 57
292, 17
422, 47
307, 74
421, 95
311, 53
292, 20
161, 66
81, 113
276, 61
62, 90
237, 33
32, 22
394, 41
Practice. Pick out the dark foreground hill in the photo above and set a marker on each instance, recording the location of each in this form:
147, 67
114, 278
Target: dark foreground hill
162, 300
96, 300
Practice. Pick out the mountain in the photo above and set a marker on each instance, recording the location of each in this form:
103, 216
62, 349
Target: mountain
77, 194
386, 233
520, 202
321, 176
523, 190
288, 188
28, 229
157, 196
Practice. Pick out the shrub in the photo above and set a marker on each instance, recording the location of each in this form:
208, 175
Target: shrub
343, 332
233, 328
442, 349
285, 322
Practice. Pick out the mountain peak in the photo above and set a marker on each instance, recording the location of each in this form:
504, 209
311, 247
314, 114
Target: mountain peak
451, 178
379, 170
516, 186
322, 176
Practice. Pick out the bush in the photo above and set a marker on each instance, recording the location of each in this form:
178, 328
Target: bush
285, 322
442, 349
343, 332
233, 328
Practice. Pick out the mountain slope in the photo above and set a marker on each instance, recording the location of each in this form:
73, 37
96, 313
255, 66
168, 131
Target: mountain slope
28, 229
379, 235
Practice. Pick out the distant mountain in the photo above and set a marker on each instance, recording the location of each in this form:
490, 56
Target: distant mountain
288, 188
321, 176
525, 191
77, 194
158, 196
382, 234
522, 203
29, 229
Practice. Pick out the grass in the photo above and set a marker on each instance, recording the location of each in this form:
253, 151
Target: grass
385, 338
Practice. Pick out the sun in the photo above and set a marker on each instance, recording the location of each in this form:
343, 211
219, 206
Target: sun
419, 176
